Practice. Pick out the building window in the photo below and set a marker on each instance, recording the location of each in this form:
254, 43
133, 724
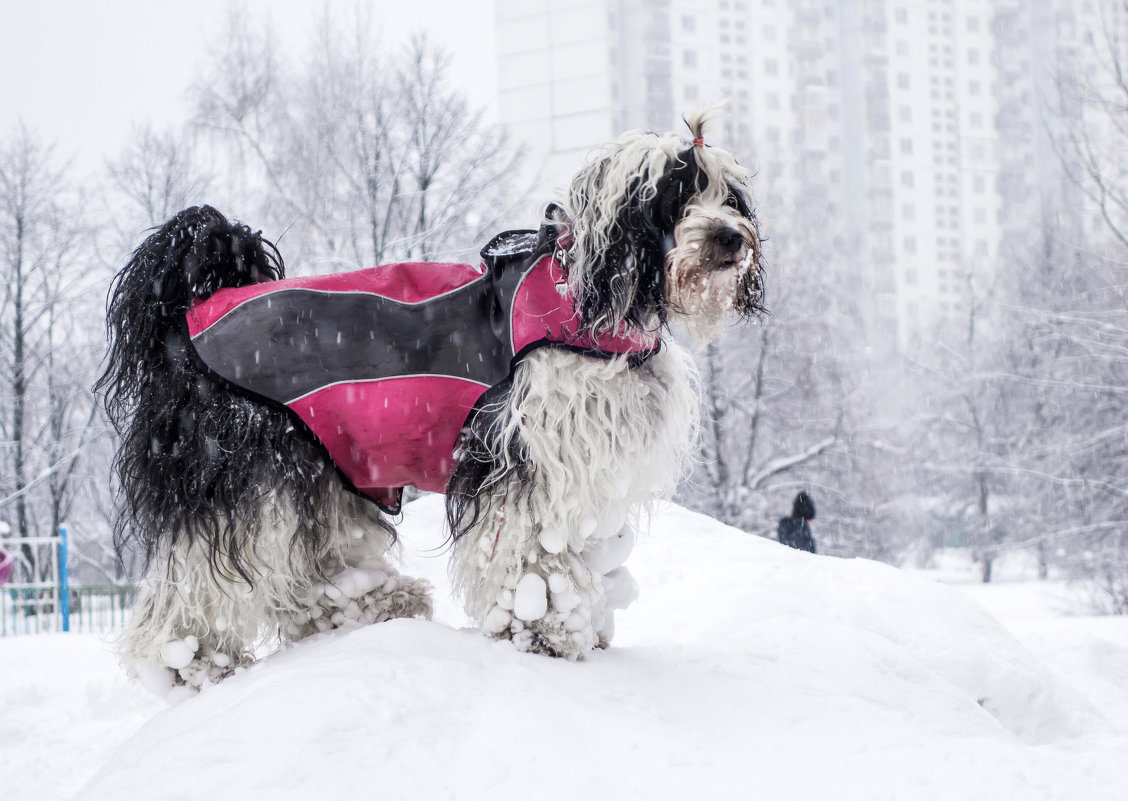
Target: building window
771, 67
903, 80
907, 178
689, 58
689, 23
906, 145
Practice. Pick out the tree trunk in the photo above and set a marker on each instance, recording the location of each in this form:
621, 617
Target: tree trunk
19, 394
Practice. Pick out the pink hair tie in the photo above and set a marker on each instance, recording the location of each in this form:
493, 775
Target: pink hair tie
699, 141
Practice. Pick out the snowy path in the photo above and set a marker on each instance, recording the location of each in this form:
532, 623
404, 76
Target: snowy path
743, 670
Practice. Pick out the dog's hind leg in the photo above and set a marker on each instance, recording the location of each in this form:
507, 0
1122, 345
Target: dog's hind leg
191, 625
194, 622
358, 582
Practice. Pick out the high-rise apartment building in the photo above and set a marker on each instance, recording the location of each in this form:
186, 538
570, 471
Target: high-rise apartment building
907, 134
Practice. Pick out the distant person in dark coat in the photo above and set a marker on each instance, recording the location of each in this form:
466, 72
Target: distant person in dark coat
795, 531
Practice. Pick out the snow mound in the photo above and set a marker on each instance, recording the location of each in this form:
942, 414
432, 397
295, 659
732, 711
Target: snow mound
744, 668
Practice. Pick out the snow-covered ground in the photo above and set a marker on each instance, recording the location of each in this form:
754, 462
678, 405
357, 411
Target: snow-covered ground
744, 670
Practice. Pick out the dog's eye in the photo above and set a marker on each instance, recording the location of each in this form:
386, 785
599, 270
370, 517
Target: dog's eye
734, 200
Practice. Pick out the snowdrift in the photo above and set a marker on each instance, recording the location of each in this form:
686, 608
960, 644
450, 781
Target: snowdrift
745, 669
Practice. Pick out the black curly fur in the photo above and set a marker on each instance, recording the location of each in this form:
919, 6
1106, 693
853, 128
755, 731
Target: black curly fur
197, 459
476, 478
637, 251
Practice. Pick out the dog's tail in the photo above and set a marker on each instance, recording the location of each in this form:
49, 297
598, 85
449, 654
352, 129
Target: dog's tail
169, 417
191, 256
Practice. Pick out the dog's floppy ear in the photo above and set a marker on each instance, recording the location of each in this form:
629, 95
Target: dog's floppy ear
622, 264
623, 281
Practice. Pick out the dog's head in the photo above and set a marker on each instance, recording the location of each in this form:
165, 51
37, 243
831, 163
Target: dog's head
660, 226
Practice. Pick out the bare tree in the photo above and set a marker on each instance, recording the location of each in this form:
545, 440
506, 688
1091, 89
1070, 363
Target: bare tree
1071, 383
1081, 326
1089, 130
963, 442
363, 158
157, 175
50, 423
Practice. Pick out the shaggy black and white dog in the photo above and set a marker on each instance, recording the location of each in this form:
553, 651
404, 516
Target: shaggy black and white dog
259, 462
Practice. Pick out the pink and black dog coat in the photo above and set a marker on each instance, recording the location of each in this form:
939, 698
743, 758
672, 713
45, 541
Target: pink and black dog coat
384, 365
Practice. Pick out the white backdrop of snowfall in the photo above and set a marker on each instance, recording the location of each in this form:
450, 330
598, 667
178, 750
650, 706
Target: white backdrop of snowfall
744, 670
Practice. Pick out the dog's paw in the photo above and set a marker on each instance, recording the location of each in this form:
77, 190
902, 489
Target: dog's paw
210, 669
362, 597
549, 640
558, 616
184, 667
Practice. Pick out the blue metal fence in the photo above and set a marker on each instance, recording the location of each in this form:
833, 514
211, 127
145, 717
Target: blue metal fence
98, 609
44, 600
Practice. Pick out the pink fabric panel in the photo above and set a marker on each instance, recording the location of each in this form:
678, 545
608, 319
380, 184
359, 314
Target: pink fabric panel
544, 308
406, 282
394, 432
7, 562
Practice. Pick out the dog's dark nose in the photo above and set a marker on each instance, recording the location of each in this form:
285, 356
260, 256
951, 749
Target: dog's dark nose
730, 240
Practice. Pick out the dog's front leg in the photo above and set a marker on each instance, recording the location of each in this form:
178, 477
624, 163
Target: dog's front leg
578, 448
546, 578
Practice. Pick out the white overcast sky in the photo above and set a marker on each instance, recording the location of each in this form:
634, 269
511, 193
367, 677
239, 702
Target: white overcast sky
79, 73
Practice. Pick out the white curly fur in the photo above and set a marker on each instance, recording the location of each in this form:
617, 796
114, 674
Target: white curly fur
194, 623
602, 444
